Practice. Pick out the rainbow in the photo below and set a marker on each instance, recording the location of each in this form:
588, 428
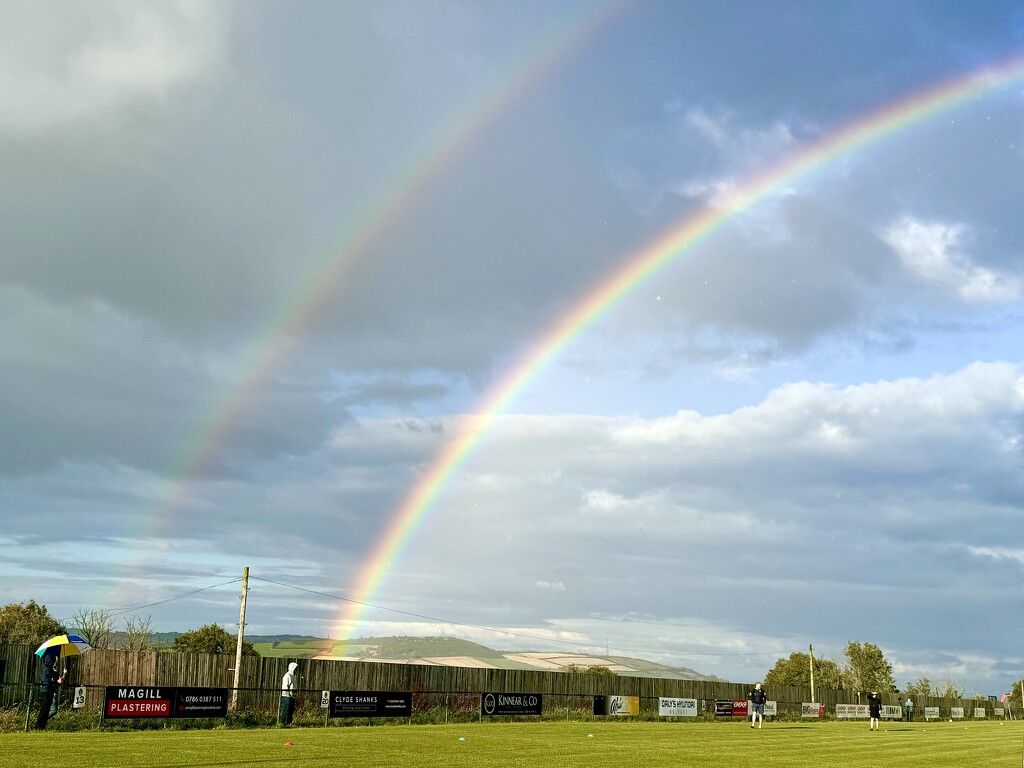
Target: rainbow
269, 350
634, 270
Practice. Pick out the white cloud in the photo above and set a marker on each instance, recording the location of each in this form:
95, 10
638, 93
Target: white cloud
999, 553
933, 253
64, 64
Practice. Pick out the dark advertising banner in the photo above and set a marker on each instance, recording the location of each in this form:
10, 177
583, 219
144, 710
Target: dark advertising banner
370, 704
723, 707
162, 701
200, 702
3, 669
125, 701
511, 704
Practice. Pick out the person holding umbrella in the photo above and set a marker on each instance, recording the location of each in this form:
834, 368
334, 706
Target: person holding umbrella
51, 652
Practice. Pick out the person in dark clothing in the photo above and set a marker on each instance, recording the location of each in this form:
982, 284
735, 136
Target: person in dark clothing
757, 698
874, 709
49, 681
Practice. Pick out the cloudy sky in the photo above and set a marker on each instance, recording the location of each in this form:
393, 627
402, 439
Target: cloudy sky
263, 263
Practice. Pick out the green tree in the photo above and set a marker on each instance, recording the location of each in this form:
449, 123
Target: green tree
922, 687
596, 671
949, 690
796, 670
28, 624
867, 669
1015, 693
211, 639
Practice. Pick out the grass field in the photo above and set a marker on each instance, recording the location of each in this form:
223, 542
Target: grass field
782, 745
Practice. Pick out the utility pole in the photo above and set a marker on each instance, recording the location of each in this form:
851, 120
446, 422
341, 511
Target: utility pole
241, 634
810, 650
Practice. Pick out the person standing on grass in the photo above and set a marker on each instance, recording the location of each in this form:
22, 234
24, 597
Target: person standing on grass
49, 681
289, 685
908, 708
757, 698
874, 709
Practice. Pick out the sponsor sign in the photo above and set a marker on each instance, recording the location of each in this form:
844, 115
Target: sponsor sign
159, 701
771, 708
370, 704
79, 701
812, 709
723, 707
617, 705
126, 701
739, 707
998, 712
851, 711
892, 712
495, 704
677, 707
956, 713
931, 713
979, 713
200, 702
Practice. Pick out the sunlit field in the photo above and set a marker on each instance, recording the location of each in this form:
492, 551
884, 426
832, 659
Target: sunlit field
783, 745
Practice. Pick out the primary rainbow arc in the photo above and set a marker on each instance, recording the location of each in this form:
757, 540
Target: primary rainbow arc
634, 270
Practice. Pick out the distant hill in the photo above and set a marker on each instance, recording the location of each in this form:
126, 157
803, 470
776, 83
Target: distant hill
454, 652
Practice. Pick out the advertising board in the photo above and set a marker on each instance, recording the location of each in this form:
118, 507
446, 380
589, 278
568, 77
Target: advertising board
515, 704
851, 711
812, 709
668, 707
122, 701
370, 704
617, 705
128, 701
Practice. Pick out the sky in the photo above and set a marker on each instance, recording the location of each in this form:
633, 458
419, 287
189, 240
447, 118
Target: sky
265, 265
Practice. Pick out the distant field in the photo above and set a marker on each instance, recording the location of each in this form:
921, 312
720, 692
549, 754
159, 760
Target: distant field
782, 745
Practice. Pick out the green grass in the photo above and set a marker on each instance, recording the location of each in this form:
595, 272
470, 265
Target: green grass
782, 745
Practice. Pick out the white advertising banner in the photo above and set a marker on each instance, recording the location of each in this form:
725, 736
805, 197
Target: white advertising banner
979, 713
677, 707
892, 712
998, 712
771, 708
813, 709
850, 711
957, 713
931, 713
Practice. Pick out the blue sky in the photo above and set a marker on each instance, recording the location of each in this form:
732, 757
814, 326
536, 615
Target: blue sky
806, 429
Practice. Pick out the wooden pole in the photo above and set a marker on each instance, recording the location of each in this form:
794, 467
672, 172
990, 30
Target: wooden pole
241, 635
810, 650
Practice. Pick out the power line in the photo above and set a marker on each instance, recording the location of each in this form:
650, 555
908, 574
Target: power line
502, 631
121, 610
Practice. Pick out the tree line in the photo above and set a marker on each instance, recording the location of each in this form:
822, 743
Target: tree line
863, 668
31, 624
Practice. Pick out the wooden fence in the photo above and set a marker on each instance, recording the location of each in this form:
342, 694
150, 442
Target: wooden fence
260, 679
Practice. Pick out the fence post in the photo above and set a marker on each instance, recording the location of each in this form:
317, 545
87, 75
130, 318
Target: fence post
28, 708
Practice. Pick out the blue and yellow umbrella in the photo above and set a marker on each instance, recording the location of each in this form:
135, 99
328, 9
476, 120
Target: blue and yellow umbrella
68, 645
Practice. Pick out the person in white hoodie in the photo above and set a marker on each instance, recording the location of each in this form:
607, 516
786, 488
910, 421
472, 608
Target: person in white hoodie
289, 685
